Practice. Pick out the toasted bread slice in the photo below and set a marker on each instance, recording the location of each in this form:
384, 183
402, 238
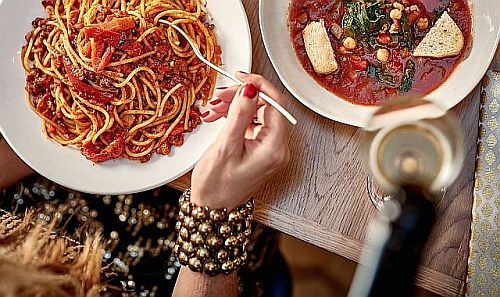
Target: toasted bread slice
319, 49
443, 40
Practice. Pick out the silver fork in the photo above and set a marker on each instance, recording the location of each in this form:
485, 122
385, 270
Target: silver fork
197, 52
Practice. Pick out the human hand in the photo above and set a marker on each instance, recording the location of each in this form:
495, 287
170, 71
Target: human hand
245, 154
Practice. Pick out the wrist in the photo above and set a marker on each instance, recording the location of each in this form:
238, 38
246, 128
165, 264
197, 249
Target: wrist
216, 199
212, 240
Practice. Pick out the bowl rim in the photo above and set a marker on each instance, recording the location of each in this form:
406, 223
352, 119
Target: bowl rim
365, 109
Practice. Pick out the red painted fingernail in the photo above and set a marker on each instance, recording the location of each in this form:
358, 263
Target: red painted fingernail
204, 115
215, 102
250, 91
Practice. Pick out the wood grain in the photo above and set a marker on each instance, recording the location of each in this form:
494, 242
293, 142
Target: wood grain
321, 196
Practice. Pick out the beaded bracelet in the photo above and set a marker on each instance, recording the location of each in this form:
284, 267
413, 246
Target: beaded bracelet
212, 240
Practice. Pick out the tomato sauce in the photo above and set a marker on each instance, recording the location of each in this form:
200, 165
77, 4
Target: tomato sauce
353, 84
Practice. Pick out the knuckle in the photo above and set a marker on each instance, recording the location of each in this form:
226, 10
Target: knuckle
258, 78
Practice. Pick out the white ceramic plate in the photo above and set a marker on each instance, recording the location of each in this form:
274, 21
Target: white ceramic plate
274, 27
66, 166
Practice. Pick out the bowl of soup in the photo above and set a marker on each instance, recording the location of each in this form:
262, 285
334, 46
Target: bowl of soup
344, 58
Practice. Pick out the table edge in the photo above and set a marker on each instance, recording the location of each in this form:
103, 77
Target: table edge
348, 247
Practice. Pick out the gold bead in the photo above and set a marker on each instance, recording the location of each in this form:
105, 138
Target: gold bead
187, 248
214, 242
211, 268
181, 216
241, 238
205, 228
237, 262
197, 239
231, 241
195, 264
244, 257
184, 233
234, 216
225, 230
237, 251
202, 253
199, 213
250, 206
186, 207
218, 215
176, 249
227, 267
238, 227
178, 226
183, 258
222, 255
243, 211
189, 223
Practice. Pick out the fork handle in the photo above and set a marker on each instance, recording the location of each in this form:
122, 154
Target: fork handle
266, 98
197, 52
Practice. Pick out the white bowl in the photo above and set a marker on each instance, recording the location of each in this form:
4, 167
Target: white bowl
273, 16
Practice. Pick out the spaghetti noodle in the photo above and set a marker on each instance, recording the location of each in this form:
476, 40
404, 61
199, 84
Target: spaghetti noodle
105, 76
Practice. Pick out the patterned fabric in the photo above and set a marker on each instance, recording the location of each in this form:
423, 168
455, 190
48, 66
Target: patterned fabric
139, 235
484, 259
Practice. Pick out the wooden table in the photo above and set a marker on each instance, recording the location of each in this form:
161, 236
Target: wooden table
321, 196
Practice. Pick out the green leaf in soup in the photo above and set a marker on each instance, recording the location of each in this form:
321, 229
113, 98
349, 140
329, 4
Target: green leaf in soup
376, 15
407, 34
386, 78
382, 75
364, 18
371, 71
408, 75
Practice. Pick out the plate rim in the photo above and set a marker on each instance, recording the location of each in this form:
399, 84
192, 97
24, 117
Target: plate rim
190, 165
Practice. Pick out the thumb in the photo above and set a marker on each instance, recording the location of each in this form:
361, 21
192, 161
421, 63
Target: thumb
241, 112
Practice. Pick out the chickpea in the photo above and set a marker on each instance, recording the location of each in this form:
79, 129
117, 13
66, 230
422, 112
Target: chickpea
393, 29
398, 5
396, 14
382, 55
350, 43
422, 24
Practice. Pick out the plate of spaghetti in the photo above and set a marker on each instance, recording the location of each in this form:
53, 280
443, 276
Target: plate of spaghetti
101, 97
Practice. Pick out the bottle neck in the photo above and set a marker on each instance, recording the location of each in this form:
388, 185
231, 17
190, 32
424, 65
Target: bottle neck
395, 244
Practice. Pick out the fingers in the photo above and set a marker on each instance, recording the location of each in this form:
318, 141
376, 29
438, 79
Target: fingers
226, 94
263, 85
274, 122
240, 114
219, 107
212, 116
273, 117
